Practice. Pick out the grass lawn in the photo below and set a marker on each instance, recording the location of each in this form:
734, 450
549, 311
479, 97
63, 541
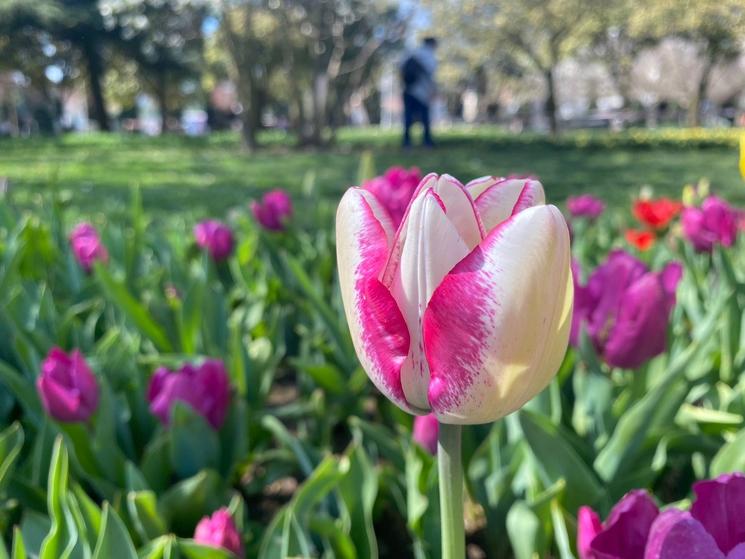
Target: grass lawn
206, 176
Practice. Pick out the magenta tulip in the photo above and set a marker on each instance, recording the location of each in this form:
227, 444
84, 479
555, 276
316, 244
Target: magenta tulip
67, 386
626, 309
624, 533
714, 223
274, 210
586, 206
425, 432
713, 529
219, 530
450, 313
215, 237
87, 246
204, 388
394, 190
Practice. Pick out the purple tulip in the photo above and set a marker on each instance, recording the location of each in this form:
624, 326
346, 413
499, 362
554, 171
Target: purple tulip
87, 246
394, 190
274, 210
626, 309
219, 530
715, 222
216, 237
585, 205
624, 533
204, 388
67, 386
713, 529
426, 428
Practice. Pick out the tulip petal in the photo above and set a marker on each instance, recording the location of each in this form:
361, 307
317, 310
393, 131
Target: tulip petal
738, 552
460, 209
496, 329
675, 534
627, 528
720, 506
431, 247
379, 333
507, 197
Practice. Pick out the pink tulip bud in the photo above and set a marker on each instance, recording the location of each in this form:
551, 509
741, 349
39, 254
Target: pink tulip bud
394, 190
67, 387
216, 237
219, 530
426, 428
449, 313
585, 206
714, 223
588, 526
87, 246
204, 388
273, 211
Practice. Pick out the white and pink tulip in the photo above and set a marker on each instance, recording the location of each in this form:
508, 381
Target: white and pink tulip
464, 310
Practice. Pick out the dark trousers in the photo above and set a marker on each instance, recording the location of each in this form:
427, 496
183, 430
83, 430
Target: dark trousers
415, 110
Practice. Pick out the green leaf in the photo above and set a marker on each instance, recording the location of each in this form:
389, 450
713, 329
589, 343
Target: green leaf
325, 375
189, 549
117, 292
358, 489
557, 459
19, 548
560, 531
62, 539
22, 389
113, 541
730, 458
525, 531
143, 511
184, 504
194, 443
11, 443
276, 427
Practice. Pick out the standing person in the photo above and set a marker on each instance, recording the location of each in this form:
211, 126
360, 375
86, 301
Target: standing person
418, 80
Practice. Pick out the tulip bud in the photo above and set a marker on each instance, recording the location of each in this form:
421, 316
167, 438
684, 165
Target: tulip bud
585, 206
450, 313
216, 237
656, 214
394, 190
626, 308
588, 526
274, 210
220, 531
67, 387
87, 246
425, 432
714, 223
206, 389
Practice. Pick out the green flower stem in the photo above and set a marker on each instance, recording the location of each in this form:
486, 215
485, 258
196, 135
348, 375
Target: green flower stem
450, 468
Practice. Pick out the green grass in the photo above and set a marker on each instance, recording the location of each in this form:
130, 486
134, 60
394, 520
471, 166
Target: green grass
207, 176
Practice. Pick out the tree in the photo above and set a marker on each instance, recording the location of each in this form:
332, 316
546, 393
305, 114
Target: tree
715, 27
537, 34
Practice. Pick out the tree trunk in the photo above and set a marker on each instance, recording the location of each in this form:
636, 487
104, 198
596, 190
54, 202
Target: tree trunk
161, 92
694, 108
94, 65
553, 119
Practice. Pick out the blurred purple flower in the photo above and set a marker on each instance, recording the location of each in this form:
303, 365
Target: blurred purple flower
204, 388
713, 529
585, 205
715, 222
87, 246
216, 237
426, 428
394, 190
67, 386
219, 530
625, 309
274, 210
624, 533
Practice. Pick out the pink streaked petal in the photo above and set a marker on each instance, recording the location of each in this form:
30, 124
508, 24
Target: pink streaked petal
380, 336
496, 329
432, 247
506, 197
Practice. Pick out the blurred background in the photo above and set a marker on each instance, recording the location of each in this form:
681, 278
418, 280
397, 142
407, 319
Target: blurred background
308, 67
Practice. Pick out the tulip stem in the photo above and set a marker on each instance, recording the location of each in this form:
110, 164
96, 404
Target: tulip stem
450, 468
